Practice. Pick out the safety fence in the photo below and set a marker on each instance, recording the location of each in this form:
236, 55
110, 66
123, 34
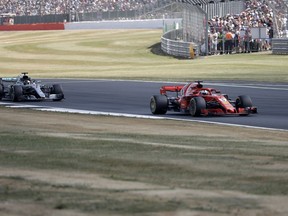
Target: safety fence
221, 9
157, 9
172, 44
195, 29
280, 46
109, 24
280, 17
85, 11
52, 18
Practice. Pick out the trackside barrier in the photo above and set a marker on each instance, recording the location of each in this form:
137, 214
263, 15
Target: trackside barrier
172, 44
280, 46
31, 27
121, 24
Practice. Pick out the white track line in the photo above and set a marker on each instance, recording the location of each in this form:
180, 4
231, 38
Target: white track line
63, 110
89, 112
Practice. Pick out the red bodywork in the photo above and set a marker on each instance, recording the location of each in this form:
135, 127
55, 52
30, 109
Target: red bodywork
216, 103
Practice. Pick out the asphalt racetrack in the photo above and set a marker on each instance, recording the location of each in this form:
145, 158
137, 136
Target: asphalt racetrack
133, 97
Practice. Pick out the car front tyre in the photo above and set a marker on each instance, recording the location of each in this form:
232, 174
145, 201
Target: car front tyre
1, 91
16, 93
243, 101
57, 89
196, 105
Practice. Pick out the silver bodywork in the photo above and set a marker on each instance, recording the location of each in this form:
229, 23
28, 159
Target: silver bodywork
23, 88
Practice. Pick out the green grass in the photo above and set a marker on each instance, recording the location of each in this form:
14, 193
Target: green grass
125, 54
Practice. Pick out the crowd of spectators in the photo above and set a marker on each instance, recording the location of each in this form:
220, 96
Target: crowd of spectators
233, 33
108, 5
44, 7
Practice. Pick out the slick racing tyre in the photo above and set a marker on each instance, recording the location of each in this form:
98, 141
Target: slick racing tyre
57, 89
16, 93
243, 101
1, 91
196, 105
158, 104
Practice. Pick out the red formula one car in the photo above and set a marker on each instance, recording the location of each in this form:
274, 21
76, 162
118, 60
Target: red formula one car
193, 98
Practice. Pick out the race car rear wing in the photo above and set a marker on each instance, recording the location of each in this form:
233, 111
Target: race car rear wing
165, 89
9, 79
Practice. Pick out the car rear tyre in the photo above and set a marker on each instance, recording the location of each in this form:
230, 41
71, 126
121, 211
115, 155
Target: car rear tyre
158, 104
57, 89
196, 106
16, 93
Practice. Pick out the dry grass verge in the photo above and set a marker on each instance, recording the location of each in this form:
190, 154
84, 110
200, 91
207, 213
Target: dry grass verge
69, 164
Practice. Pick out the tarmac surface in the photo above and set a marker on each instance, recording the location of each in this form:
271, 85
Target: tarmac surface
133, 97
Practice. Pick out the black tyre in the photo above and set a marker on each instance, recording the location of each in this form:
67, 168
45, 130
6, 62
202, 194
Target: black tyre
1, 91
16, 93
196, 105
159, 104
243, 101
57, 89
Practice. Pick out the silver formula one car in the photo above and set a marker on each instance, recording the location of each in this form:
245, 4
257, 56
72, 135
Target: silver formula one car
23, 88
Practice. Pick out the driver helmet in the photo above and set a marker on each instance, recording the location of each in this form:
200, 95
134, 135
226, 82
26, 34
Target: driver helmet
204, 92
26, 82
